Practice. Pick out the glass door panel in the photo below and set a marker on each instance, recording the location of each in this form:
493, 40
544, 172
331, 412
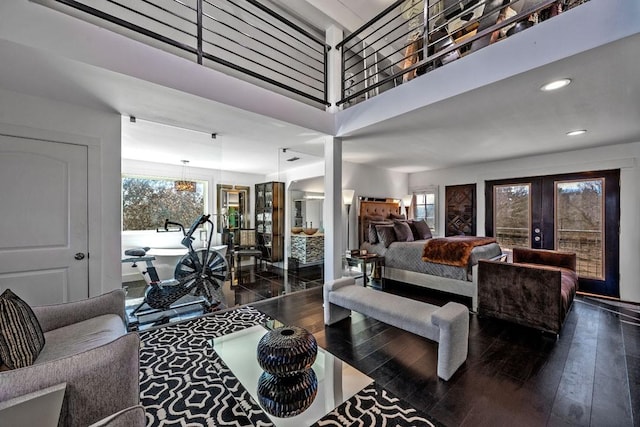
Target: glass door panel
577, 212
512, 215
579, 224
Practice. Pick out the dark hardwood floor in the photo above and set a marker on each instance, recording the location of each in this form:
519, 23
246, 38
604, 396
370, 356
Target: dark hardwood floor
514, 376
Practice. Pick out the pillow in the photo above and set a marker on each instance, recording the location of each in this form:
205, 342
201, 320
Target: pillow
374, 218
403, 231
386, 235
396, 216
21, 337
421, 230
373, 234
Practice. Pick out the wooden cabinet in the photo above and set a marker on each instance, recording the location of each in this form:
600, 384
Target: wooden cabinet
270, 220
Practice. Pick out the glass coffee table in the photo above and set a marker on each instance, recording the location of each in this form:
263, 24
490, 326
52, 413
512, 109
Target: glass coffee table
337, 380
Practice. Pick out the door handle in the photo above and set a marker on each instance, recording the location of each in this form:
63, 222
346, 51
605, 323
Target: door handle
537, 237
79, 256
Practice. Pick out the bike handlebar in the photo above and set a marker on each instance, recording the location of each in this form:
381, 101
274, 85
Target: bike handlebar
198, 222
186, 241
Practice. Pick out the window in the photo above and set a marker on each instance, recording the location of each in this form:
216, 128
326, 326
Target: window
575, 212
426, 208
579, 218
512, 215
147, 202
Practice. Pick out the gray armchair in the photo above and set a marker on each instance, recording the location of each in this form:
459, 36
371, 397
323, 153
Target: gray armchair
88, 348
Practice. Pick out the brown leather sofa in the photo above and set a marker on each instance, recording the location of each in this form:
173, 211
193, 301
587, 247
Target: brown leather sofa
536, 290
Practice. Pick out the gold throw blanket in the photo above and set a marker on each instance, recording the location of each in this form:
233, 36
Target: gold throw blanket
454, 250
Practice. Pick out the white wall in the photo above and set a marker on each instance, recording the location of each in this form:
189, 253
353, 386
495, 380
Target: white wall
367, 181
100, 132
623, 156
132, 239
31, 24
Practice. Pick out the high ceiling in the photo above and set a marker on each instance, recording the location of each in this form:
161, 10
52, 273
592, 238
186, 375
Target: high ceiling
507, 119
247, 143
514, 118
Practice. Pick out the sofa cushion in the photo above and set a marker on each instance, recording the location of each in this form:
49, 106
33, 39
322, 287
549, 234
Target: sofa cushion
545, 257
568, 287
568, 283
411, 315
79, 337
21, 338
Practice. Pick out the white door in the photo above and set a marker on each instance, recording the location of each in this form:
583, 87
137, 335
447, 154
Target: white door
43, 220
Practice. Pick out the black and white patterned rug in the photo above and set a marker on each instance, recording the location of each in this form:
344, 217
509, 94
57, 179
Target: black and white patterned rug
184, 383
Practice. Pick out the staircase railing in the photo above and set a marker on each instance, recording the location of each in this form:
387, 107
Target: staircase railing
240, 37
409, 39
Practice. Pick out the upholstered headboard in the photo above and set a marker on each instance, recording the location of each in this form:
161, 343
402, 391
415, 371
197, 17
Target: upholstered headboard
374, 209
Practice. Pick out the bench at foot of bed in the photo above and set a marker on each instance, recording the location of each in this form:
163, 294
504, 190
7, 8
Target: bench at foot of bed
447, 325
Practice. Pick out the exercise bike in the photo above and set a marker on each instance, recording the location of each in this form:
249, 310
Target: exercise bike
198, 273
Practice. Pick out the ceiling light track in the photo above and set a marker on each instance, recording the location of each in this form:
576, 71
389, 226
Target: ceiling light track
213, 135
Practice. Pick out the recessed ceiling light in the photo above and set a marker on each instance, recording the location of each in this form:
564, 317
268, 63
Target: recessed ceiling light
576, 132
556, 84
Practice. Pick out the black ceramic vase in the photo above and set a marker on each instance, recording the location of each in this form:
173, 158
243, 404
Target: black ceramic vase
288, 350
287, 396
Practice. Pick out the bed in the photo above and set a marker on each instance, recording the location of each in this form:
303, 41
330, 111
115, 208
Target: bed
450, 270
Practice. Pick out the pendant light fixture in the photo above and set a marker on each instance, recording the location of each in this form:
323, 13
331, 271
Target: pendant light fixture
184, 184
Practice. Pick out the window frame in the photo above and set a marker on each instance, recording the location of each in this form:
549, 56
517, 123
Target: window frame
123, 175
430, 190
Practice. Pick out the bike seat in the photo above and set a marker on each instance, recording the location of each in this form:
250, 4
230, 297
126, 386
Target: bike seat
136, 251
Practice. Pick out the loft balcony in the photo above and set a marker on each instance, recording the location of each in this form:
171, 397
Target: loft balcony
588, 41
242, 38
250, 40
583, 38
411, 38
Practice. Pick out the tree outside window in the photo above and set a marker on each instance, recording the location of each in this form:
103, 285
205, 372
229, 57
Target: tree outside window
426, 206
147, 202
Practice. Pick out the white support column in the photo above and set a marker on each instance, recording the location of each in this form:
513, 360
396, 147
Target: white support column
332, 211
334, 67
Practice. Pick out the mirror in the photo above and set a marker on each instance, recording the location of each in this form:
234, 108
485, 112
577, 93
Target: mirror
233, 207
307, 209
307, 200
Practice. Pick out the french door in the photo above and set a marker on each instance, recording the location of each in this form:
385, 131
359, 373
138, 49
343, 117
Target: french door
577, 212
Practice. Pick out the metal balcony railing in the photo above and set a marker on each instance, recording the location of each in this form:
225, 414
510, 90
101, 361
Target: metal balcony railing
241, 37
411, 38
249, 40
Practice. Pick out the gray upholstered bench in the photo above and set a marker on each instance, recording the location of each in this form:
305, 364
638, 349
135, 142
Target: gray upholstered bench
447, 325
